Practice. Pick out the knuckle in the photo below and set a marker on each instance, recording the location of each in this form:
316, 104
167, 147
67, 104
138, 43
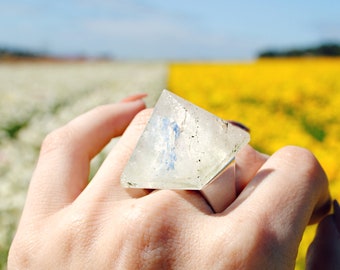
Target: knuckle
304, 162
261, 240
58, 139
142, 118
133, 132
74, 234
148, 230
296, 154
148, 222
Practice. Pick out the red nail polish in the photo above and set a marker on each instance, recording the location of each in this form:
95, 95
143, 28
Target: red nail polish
134, 97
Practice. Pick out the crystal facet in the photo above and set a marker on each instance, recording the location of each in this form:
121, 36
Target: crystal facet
182, 147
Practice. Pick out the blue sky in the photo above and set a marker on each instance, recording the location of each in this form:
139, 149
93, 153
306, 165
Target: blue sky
172, 30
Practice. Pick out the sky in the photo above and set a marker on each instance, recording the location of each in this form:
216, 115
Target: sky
167, 30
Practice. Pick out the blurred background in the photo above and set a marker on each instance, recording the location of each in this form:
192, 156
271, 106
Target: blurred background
154, 30
272, 65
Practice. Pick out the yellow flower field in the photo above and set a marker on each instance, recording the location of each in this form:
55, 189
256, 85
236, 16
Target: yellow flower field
285, 101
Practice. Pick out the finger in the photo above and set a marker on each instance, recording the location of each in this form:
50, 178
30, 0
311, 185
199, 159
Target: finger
284, 194
64, 162
324, 251
134, 97
106, 182
248, 162
221, 192
224, 189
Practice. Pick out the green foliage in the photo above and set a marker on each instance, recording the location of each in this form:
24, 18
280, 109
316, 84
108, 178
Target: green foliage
326, 50
313, 129
12, 128
18, 53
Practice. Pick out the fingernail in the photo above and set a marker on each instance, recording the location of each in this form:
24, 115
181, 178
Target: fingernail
336, 209
134, 97
240, 125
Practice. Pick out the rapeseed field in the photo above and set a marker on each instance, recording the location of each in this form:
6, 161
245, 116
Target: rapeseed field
282, 101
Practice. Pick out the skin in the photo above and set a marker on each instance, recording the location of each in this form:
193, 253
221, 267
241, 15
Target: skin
68, 223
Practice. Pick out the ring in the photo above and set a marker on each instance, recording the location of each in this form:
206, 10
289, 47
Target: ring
221, 192
185, 147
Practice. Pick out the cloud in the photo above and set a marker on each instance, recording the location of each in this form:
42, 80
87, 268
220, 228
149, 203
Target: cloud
157, 34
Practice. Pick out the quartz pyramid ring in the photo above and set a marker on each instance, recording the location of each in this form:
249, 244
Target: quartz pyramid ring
184, 147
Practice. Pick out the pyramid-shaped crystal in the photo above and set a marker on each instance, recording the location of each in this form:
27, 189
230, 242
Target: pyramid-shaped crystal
182, 147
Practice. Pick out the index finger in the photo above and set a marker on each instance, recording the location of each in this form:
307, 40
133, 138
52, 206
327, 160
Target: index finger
63, 167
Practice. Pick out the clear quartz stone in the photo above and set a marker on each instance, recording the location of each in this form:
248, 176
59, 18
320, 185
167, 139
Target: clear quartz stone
182, 147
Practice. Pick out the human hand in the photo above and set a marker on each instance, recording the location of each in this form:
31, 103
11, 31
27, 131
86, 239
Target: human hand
68, 223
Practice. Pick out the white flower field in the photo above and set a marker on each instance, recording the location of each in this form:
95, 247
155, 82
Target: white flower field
36, 98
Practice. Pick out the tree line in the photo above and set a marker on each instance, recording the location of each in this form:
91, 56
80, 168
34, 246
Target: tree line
13, 53
326, 50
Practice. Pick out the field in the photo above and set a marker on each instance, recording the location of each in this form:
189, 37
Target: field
37, 98
282, 101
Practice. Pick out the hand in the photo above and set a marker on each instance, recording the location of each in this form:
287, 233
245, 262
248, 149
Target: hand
68, 223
